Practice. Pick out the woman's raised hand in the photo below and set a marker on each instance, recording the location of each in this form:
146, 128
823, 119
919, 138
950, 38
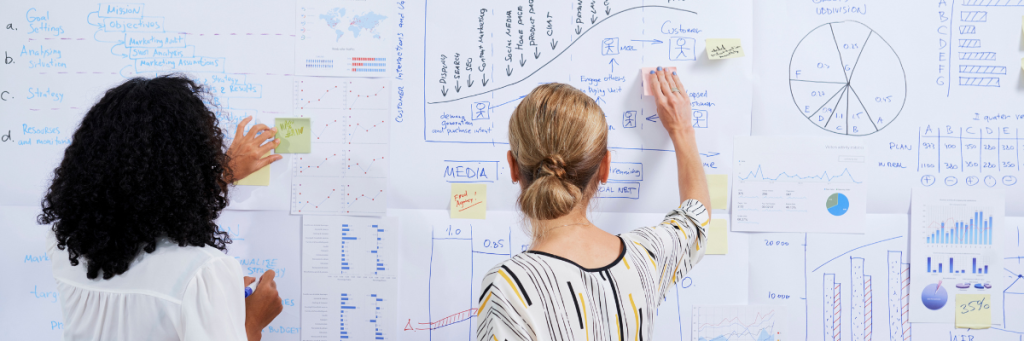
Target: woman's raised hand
247, 150
673, 102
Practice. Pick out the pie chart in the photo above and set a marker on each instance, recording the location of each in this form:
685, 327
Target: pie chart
934, 296
847, 80
837, 204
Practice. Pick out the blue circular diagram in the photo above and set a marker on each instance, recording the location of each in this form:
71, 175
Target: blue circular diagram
934, 297
837, 204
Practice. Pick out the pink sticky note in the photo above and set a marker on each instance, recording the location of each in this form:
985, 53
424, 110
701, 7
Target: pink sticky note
645, 73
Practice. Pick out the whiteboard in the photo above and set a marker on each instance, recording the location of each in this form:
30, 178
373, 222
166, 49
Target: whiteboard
956, 64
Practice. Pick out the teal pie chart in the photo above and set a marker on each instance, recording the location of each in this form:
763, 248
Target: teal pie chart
837, 204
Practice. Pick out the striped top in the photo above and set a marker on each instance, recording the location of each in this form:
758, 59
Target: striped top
537, 296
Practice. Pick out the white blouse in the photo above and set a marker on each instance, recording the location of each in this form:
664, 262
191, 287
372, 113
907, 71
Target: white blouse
174, 293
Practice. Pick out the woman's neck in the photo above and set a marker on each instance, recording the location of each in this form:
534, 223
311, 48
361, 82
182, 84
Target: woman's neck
575, 238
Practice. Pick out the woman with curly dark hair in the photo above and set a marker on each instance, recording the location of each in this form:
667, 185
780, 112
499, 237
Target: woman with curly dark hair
135, 199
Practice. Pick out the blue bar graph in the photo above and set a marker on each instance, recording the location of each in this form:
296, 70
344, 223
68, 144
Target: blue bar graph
975, 269
974, 231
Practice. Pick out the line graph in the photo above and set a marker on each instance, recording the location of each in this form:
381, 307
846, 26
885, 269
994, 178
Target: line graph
365, 196
319, 163
759, 175
369, 127
317, 195
351, 94
736, 323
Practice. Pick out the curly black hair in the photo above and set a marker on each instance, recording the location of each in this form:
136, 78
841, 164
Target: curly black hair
147, 161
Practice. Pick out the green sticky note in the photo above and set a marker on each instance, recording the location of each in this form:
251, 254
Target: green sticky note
973, 311
295, 135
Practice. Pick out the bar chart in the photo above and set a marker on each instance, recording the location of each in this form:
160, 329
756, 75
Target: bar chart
975, 230
349, 280
956, 239
960, 260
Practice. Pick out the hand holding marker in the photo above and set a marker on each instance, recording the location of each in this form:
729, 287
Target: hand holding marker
251, 287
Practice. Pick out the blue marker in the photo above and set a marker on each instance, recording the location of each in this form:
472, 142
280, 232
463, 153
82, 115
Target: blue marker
252, 287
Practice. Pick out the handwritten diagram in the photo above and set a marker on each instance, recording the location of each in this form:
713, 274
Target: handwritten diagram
846, 79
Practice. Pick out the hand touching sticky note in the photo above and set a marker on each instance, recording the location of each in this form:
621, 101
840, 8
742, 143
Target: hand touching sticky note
718, 237
295, 135
723, 48
973, 311
469, 201
645, 75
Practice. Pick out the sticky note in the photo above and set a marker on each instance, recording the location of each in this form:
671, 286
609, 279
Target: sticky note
645, 75
259, 178
723, 48
469, 201
295, 135
973, 311
718, 186
1022, 64
718, 237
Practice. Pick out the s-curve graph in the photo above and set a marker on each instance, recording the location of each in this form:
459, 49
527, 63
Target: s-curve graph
347, 170
779, 180
737, 323
482, 60
846, 79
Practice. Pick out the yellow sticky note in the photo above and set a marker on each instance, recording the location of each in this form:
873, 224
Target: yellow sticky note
723, 48
1022, 63
718, 185
295, 135
973, 311
258, 178
469, 201
718, 237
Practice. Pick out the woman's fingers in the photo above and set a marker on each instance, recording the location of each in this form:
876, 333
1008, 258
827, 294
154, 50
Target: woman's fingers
239, 132
666, 87
679, 84
269, 134
655, 85
256, 129
266, 148
248, 280
268, 160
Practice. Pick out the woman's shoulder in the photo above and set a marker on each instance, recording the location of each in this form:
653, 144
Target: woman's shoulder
165, 272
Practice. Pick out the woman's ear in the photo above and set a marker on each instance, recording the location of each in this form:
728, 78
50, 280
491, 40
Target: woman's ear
606, 167
513, 167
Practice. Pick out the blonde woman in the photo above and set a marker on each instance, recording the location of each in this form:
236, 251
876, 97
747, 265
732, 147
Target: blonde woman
578, 282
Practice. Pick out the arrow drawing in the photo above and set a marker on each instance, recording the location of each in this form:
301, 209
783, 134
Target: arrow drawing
653, 118
653, 41
613, 63
508, 70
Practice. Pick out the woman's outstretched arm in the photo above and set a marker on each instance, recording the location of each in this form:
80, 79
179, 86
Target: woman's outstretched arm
676, 115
